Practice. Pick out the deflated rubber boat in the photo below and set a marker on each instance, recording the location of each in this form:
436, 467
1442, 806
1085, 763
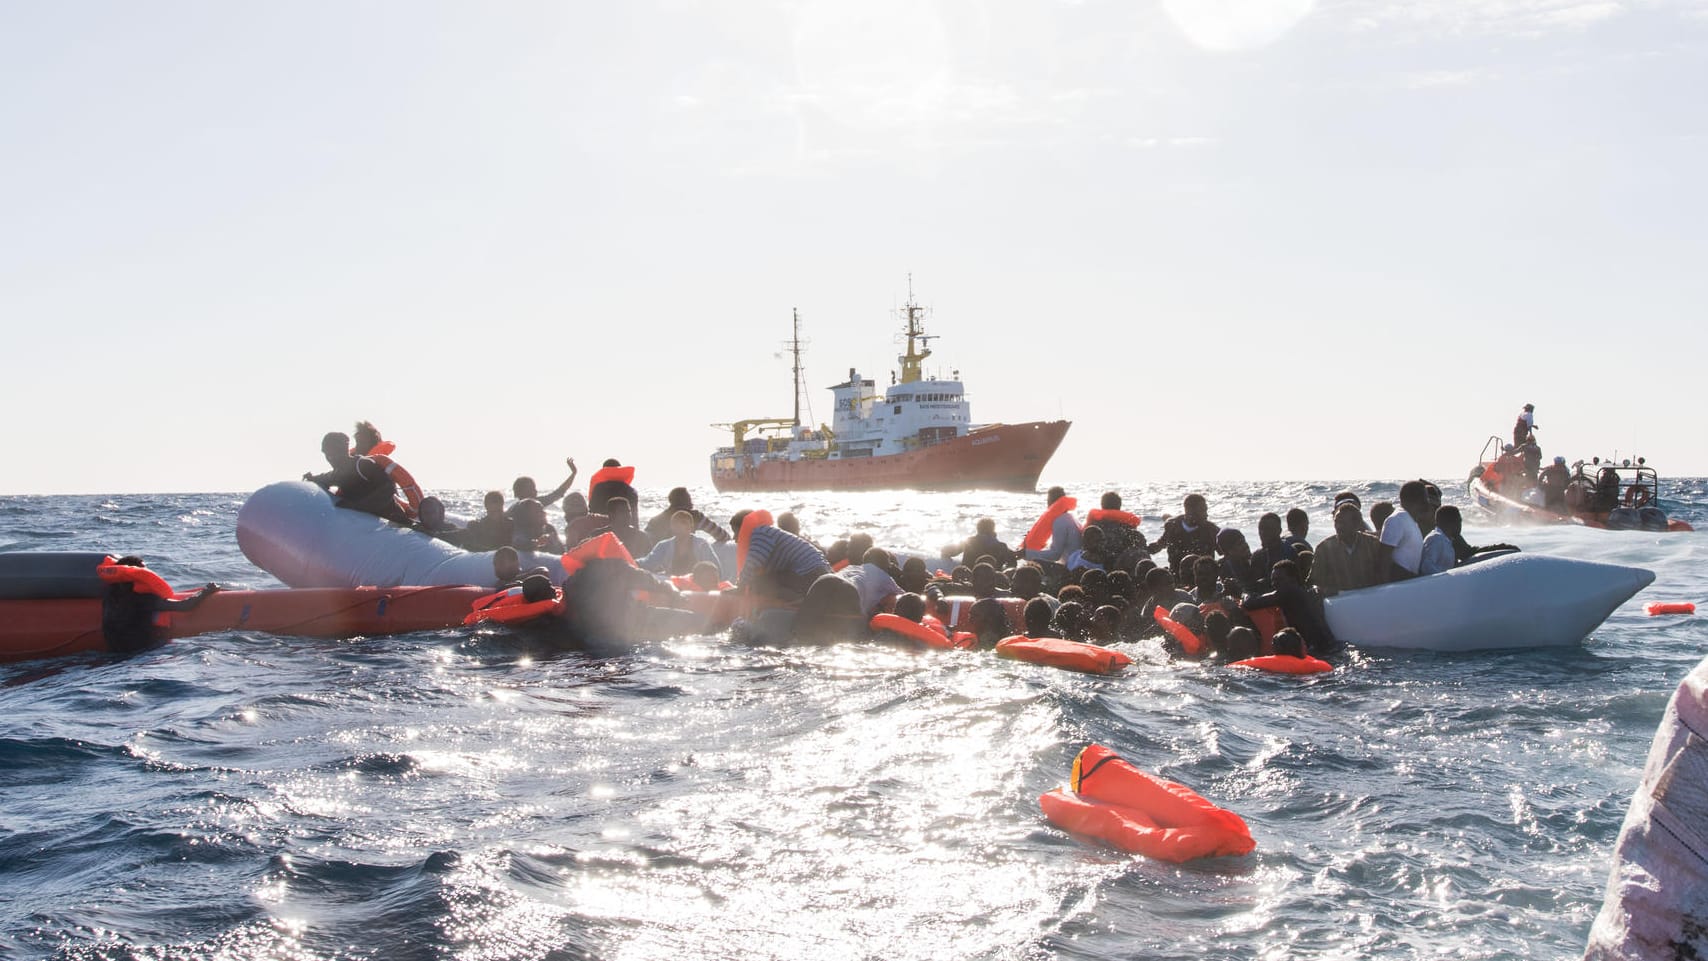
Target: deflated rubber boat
50, 606
292, 531
1514, 600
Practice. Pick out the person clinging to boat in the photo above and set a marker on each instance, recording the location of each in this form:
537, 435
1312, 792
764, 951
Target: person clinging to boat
358, 483
133, 602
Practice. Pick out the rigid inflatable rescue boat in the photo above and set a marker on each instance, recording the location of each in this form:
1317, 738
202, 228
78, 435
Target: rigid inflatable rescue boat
1514, 600
292, 531
1140, 813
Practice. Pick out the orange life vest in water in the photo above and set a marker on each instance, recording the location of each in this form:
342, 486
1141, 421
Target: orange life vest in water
1286, 664
510, 607
1068, 655
141, 579
1190, 643
1038, 537
930, 634
604, 547
1138, 812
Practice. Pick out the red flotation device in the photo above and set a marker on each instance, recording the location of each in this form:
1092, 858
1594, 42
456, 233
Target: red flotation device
1190, 643
1655, 608
509, 607
1123, 518
1140, 813
1286, 664
603, 474
604, 547
932, 633
744, 538
1267, 620
1068, 655
1038, 537
141, 579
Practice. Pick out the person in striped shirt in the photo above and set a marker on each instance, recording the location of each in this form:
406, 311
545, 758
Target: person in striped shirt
779, 564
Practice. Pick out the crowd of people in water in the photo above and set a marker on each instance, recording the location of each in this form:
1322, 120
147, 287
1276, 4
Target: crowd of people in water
1098, 580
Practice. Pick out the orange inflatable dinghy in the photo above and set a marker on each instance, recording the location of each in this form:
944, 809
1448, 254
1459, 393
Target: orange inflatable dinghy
1140, 813
1068, 655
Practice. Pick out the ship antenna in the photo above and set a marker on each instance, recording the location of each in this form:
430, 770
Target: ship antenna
795, 349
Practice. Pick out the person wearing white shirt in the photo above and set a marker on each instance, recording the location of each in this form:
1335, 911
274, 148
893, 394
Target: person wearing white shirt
1402, 538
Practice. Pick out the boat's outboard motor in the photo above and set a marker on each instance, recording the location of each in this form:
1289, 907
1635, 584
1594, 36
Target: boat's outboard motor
1625, 519
1652, 518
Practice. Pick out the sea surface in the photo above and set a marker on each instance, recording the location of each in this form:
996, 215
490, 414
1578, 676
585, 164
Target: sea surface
462, 794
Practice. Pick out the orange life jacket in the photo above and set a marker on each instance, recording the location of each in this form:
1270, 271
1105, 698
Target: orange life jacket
1120, 517
1138, 812
1267, 620
839, 565
1286, 664
1068, 655
408, 492
141, 579
1190, 643
1038, 537
603, 474
752, 522
604, 547
927, 634
509, 607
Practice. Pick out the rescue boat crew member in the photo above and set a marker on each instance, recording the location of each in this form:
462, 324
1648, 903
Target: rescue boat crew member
356, 483
775, 563
370, 443
1522, 430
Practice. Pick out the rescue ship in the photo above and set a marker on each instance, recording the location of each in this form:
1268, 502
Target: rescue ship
917, 435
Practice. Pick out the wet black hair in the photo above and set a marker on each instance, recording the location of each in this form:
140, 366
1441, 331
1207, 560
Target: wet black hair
536, 587
1111, 501
1289, 642
911, 606
1037, 616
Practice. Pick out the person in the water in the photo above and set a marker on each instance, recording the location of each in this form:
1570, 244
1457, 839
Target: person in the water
1189, 532
1402, 533
1298, 605
622, 523
778, 564
983, 543
356, 483
988, 623
680, 500
611, 486
1064, 530
1350, 559
1271, 548
579, 523
682, 551
1236, 561
492, 530
130, 617
525, 489
430, 520
1298, 530
533, 530
1122, 539
369, 442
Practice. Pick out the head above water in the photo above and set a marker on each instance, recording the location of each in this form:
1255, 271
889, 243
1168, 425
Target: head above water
506, 564
537, 587
612, 462
1298, 522
986, 526
524, 488
1347, 521
1037, 617
575, 504
1028, 581
431, 511
1414, 497
911, 606
1449, 521
1196, 509
1379, 514
859, 543
1111, 501
679, 499
1269, 527
787, 521
1288, 642
494, 502
1055, 494
620, 511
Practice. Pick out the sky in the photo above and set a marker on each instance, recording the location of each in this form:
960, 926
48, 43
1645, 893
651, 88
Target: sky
1228, 239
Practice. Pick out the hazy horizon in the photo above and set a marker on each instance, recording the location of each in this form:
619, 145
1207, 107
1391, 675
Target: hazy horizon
1251, 239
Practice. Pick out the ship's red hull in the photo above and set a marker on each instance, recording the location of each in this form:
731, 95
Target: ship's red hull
1000, 457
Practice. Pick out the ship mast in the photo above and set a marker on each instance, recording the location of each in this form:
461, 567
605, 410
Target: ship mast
911, 361
795, 351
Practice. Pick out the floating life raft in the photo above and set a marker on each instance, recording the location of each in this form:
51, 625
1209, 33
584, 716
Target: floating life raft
1067, 655
1140, 813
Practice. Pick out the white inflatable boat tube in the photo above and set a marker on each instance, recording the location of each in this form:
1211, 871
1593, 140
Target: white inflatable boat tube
292, 531
1657, 893
1516, 600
